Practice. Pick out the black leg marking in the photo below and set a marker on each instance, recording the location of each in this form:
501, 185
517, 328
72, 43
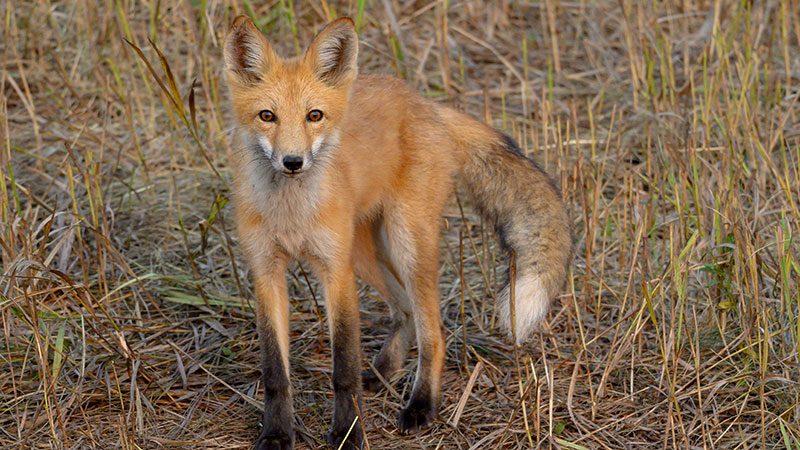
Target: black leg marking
277, 432
422, 408
346, 381
274, 443
419, 413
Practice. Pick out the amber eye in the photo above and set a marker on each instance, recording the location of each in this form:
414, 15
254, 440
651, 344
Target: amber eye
267, 116
315, 115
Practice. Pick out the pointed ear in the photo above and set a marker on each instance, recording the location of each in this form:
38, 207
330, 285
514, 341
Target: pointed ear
247, 53
333, 54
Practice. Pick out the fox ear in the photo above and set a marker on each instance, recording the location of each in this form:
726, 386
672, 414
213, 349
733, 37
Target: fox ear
333, 54
247, 53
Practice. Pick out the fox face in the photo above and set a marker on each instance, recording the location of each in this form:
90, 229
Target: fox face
289, 111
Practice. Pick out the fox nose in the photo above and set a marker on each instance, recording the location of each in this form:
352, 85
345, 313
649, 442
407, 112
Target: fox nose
293, 163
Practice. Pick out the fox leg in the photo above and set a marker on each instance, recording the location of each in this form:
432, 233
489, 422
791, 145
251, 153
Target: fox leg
414, 251
339, 284
401, 333
373, 265
395, 348
272, 321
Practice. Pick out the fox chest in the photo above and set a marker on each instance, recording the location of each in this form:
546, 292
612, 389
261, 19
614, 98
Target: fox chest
307, 240
291, 221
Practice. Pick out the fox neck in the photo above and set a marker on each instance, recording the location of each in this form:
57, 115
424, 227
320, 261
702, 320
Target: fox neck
286, 205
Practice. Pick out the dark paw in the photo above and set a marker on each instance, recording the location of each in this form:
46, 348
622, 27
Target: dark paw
417, 415
370, 381
274, 441
355, 441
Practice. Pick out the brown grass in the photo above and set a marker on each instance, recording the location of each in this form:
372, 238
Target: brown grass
672, 128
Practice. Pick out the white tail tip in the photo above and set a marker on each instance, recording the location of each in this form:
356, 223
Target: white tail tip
531, 302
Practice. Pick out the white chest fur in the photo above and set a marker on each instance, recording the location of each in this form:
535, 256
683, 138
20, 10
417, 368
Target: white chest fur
289, 208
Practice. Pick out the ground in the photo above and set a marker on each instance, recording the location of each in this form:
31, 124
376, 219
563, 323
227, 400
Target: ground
670, 127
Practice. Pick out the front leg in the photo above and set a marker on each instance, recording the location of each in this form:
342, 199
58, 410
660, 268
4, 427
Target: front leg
343, 317
343, 321
272, 320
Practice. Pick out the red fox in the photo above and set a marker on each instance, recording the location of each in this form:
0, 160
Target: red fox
351, 173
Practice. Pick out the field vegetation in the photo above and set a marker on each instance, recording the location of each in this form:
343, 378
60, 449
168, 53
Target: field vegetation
672, 128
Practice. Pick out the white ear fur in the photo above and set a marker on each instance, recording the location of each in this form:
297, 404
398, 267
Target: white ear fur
333, 54
247, 53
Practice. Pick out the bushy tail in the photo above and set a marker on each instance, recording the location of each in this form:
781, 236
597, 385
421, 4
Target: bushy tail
525, 206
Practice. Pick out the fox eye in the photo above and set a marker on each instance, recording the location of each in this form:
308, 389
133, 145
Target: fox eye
315, 115
267, 116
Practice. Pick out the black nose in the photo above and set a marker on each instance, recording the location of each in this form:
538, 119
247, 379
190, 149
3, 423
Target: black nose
293, 162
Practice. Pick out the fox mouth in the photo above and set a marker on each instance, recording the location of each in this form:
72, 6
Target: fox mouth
292, 173
287, 172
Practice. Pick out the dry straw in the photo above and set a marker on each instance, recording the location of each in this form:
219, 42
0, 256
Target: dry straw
671, 127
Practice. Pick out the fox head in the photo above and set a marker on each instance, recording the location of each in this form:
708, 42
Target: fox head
289, 110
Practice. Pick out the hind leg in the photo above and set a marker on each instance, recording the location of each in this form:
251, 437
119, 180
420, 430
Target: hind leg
374, 266
394, 351
413, 238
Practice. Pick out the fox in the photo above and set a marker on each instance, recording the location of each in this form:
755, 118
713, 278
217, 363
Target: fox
352, 174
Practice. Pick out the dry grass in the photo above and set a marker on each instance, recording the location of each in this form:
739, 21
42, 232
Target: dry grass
672, 128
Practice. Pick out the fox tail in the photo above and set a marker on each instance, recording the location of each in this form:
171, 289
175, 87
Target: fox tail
531, 221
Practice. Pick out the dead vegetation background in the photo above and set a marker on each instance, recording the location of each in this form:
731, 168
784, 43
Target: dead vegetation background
670, 126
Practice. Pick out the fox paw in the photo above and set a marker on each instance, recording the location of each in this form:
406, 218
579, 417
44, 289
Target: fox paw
417, 415
355, 441
370, 381
274, 441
